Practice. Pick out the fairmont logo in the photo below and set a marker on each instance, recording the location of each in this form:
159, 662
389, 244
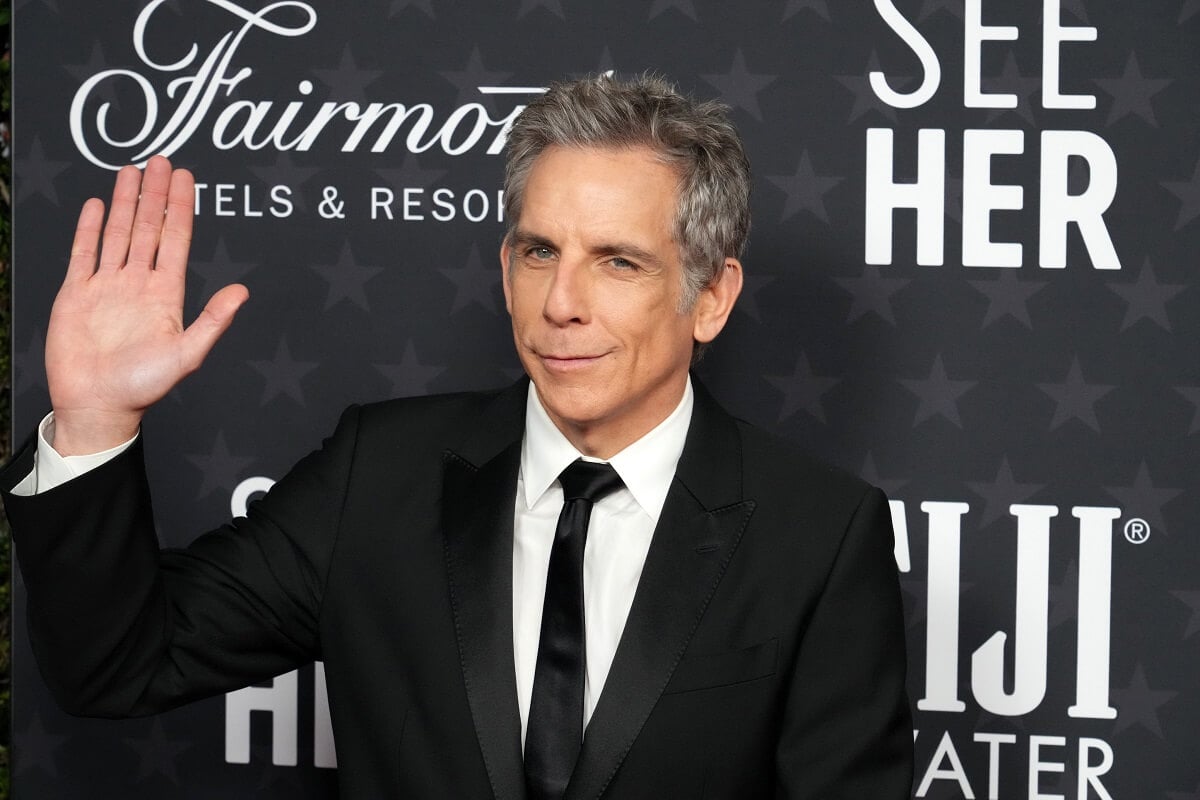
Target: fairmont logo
190, 97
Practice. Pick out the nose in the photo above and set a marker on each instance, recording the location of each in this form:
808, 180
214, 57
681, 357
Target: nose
568, 295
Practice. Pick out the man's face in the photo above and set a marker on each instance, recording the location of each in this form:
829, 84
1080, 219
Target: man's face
593, 283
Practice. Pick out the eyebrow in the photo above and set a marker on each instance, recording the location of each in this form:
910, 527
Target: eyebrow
525, 238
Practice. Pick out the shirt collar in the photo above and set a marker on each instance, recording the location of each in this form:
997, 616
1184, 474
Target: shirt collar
646, 466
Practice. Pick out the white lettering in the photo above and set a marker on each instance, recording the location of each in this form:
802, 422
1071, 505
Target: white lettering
927, 195
202, 78
994, 740
931, 68
1053, 35
1030, 626
1037, 766
280, 699
980, 197
1089, 774
975, 33
1093, 652
942, 604
945, 751
1059, 208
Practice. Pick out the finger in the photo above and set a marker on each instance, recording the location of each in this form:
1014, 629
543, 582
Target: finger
115, 246
177, 227
87, 240
148, 219
213, 321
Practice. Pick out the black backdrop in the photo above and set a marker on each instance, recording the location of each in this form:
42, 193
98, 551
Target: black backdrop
1030, 405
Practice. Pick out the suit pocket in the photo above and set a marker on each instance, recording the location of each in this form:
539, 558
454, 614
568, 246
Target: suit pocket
711, 670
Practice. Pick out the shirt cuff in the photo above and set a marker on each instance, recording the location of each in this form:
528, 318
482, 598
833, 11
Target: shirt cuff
50, 469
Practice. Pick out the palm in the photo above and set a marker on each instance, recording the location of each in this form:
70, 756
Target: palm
116, 341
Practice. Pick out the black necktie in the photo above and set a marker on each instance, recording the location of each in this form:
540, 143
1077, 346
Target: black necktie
554, 734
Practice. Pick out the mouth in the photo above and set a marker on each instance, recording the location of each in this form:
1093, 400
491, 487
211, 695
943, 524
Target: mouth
564, 363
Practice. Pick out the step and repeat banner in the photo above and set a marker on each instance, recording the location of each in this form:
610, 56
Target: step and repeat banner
972, 279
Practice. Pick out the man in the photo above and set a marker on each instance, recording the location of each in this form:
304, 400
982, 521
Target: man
737, 632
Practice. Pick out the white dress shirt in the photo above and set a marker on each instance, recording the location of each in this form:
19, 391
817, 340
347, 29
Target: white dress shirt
618, 538
619, 533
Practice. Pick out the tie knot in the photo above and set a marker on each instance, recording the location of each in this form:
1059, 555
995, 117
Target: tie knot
588, 480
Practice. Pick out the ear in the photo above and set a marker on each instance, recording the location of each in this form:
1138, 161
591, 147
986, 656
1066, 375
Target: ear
505, 256
715, 302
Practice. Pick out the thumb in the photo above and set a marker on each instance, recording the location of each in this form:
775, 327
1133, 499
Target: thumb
213, 321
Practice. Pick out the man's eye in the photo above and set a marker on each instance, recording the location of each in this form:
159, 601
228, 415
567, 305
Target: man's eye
540, 252
622, 263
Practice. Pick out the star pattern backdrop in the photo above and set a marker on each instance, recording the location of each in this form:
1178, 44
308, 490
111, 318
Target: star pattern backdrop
372, 265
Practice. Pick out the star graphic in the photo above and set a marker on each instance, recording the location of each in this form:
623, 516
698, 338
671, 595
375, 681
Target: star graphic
468, 80
347, 279
748, 300
1011, 81
50, 4
1075, 7
1147, 298
1192, 393
285, 173
1195, 793
930, 7
283, 374
35, 747
796, 6
604, 66
220, 271
938, 394
1007, 296
1186, 12
1064, 598
1188, 193
802, 390
865, 99
871, 292
1145, 499
473, 283
739, 88
1191, 599
410, 376
157, 753
106, 90
221, 469
29, 365
1076, 397
1138, 704
35, 173
1002, 492
409, 174
399, 5
347, 82
805, 190
684, 7
1131, 93
553, 6
870, 474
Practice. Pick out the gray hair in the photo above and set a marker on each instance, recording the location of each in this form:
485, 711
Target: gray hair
712, 218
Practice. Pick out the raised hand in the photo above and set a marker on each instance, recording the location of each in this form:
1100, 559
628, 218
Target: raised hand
116, 341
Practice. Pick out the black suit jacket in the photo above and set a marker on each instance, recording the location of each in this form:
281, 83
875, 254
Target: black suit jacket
763, 655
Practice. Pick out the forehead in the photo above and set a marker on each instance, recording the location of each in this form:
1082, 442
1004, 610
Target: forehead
603, 190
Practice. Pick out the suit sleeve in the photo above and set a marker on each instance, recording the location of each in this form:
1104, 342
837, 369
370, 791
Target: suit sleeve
847, 729
122, 628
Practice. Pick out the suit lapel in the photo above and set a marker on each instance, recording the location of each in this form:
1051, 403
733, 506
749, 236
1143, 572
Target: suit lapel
701, 524
477, 514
